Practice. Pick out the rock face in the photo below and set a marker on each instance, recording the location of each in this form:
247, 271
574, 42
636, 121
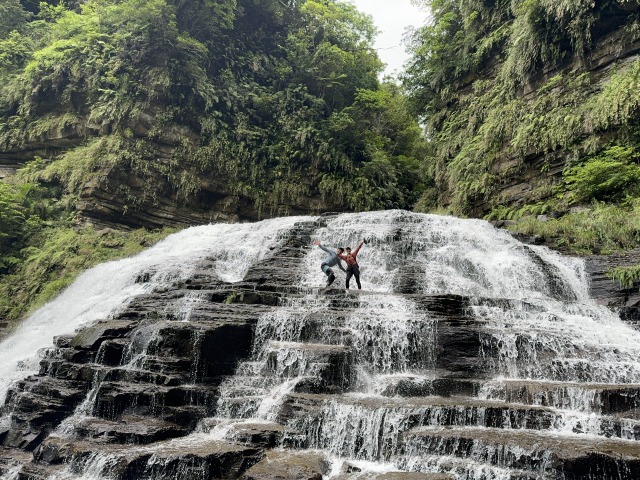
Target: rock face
604, 288
510, 151
102, 203
506, 374
121, 199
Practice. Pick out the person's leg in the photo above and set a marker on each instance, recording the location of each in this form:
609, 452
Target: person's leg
356, 273
349, 274
329, 273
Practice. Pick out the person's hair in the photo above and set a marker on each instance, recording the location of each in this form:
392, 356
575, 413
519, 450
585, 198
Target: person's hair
341, 249
348, 248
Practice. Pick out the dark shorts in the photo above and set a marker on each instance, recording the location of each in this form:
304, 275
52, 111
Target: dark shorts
326, 269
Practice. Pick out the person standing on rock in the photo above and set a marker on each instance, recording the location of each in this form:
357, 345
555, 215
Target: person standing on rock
353, 269
331, 261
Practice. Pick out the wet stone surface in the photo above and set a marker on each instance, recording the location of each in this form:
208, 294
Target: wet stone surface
271, 378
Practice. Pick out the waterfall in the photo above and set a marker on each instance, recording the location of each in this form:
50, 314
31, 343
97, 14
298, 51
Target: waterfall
461, 336
108, 288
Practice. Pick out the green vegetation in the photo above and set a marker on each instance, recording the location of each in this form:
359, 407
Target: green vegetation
274, 101
42, 251
282, 100
231, 298
470, 77
602, 229
506, 96
278, 102
612, 175
606, 187
627, 277
52, 260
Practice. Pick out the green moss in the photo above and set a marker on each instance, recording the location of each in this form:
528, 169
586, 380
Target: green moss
57, 256
231, 298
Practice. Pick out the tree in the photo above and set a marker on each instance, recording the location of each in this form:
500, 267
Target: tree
12, 17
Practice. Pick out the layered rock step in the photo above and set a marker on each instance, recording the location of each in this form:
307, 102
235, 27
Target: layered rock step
600, 398
539, 452
292, 366
261, 433
179, 458
153, 372
279, 464
371, 428
129, 429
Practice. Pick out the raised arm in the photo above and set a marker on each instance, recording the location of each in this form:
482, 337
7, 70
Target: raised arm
327, 249
355, 252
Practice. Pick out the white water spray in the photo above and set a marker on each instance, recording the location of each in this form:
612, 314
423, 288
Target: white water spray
538, 324
106, 289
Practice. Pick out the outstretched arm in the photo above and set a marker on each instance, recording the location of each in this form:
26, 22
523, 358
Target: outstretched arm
341, 267
355, 252
326, 249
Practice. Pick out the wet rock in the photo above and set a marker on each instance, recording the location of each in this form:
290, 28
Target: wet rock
129, 430
570, 457
328, 365
413, 476
606, 290
90, 338
63, 341
39, 472
605, 398
351, 474
440, 386
112, 352
286, 465
36, 406
155, 372
12, 459
115, 399
168, 460
262, 434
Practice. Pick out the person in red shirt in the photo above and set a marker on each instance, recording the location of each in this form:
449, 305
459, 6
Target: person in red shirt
353, 269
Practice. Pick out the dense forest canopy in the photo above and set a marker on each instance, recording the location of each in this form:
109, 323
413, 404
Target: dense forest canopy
276, 101
267, 93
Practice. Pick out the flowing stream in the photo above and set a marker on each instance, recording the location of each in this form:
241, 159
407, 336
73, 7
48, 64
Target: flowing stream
351, 355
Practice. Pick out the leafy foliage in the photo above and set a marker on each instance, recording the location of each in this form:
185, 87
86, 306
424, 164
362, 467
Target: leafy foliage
473, 68
601, 229
612, 175
22, 212
627, 277
246, 89
275, 102
12, 17
52, 260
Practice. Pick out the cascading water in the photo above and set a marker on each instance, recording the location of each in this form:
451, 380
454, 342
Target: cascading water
103, 290
360, 375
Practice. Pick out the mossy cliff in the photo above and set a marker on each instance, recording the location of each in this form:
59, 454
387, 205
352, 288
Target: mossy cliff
159, 114
531, 105
167, 113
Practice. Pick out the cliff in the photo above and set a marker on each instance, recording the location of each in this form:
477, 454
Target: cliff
191, 112
516, 94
